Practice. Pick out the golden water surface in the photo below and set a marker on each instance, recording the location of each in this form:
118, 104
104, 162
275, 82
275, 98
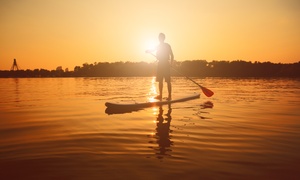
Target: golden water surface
58, 128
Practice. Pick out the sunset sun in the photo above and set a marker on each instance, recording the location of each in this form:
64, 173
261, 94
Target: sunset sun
150, 44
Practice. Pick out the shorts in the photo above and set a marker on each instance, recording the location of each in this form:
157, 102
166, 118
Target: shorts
163, 72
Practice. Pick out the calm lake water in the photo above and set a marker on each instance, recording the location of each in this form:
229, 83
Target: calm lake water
57, 128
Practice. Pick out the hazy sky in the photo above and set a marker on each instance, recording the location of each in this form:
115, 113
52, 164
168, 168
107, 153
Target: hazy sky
67, 33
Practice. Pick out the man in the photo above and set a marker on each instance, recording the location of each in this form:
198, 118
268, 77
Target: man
165, 59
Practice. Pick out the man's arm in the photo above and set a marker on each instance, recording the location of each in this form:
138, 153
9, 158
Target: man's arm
150, 50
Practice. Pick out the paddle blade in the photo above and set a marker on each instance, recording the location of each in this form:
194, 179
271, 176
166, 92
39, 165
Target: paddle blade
207, 92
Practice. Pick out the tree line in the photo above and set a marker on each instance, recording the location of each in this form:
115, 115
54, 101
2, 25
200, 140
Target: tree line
193, 68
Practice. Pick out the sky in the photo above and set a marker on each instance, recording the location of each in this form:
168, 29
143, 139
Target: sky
51, 33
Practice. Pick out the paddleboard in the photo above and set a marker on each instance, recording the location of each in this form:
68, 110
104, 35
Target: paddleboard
137, 105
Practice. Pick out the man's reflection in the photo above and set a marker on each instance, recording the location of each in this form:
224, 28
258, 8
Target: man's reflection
162, 135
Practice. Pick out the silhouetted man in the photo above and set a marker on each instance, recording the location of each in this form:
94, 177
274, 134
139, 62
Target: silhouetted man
165, 59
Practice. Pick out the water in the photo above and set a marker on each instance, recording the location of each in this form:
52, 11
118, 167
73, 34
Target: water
57, 128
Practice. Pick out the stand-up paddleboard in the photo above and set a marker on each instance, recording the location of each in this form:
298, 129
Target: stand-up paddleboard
123, 107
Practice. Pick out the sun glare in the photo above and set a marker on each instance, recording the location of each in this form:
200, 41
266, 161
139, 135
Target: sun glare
152, 93
150, 44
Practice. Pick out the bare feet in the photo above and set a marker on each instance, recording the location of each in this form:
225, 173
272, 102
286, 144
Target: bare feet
169, 98
159, 97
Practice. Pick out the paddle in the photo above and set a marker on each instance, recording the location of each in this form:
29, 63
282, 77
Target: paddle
205, 91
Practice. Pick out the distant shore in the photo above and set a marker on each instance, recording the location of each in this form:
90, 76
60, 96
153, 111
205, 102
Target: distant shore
193, 68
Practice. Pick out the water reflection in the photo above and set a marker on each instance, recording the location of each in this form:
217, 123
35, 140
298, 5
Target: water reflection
152, 92
205, 105
17, 92
162, 135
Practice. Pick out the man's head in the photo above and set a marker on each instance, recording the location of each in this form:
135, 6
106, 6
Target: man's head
161, 37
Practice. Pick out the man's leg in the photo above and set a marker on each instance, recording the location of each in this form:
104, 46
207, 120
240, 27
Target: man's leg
160, 86
170, 90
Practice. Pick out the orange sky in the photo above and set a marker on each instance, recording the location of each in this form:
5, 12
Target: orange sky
50, 33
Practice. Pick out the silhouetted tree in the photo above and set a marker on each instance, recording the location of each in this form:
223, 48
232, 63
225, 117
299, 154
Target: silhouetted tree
193, 68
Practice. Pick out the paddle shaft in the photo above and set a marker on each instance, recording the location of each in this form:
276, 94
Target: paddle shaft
186, 77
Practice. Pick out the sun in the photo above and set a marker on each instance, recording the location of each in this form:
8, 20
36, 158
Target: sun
150, 44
